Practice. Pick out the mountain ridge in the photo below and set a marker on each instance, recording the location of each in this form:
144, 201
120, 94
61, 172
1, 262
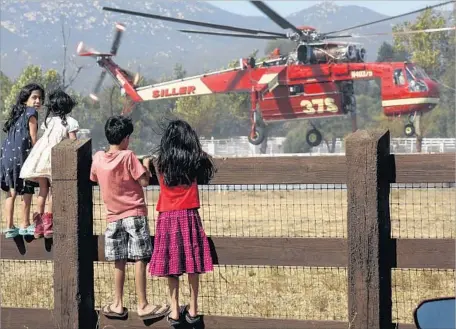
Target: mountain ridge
31, 33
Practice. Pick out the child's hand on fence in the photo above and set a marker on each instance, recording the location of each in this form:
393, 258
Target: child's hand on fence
146, 163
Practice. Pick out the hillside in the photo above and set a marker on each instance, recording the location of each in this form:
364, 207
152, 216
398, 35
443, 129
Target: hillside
31, 33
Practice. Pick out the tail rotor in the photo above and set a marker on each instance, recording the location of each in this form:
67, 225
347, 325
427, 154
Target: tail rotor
120, 28
83, 50
96, 90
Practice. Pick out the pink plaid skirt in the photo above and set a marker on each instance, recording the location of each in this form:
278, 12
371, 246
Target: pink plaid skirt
180, 245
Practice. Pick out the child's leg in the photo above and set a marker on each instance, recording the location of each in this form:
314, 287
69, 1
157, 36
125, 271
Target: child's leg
119, 280
140, 249
173, 285
49, 207
9, 208
26, 209
48, 217
193, 281
44, 191
140, 283
144, 308
116, 250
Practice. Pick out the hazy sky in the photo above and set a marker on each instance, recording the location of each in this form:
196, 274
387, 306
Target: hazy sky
390, 8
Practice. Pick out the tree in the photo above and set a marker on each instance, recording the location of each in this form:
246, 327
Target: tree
426, 50
285, 46
64, 83
5, 89
31, 74
295, 141
179, 72
387, 53
200, 112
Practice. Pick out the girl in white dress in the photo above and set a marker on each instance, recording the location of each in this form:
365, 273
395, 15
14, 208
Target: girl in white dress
57, 126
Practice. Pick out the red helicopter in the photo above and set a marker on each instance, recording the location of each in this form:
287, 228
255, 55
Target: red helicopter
313, 81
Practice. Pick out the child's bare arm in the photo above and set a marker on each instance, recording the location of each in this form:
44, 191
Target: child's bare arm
72, 135
145, 178
33, 128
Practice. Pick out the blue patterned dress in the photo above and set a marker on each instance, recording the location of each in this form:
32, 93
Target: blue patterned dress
15, 149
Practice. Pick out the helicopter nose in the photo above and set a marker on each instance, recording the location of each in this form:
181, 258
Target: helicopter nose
433, 88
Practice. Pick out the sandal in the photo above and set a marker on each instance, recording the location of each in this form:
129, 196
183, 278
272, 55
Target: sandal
154, 313
29, 230
11, 233
173, 322
107, 312
190, 319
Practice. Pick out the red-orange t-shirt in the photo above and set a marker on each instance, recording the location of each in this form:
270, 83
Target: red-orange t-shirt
117, 175
177, 197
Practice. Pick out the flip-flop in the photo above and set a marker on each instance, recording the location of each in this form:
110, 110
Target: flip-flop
107, 312
154, 314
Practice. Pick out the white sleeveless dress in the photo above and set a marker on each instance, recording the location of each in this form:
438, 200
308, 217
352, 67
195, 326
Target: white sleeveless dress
38, 162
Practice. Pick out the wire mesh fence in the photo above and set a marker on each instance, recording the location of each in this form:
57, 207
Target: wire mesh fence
311, 211
423, 210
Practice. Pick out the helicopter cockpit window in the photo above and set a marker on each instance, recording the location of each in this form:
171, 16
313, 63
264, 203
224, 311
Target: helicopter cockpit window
415, 78
418, 72
398, 77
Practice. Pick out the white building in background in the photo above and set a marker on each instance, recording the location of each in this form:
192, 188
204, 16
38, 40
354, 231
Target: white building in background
83, 133
240, 146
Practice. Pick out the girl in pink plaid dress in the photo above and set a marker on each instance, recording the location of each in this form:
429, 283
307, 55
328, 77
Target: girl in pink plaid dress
180, 244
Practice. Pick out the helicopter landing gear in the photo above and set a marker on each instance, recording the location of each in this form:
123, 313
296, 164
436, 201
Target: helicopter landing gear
313, 136
257, 134
258, 130
409, 128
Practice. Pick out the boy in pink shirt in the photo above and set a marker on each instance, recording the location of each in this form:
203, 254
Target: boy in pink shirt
121, 178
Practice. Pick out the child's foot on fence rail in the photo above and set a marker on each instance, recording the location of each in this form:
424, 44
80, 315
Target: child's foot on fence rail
11, 233
39, 228
191, 319
47, 223
152, 311
112, 311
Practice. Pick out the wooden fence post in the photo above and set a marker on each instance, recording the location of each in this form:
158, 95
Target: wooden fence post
369, 230
74, 302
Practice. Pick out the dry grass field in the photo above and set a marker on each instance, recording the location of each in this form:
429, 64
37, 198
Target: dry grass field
284, 292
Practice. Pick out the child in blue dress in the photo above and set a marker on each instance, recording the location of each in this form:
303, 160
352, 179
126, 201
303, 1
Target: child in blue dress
22, 131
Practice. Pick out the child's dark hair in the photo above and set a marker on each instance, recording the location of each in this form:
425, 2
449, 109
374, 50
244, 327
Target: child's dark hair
117, 128
180, 157
59, 104
19, 108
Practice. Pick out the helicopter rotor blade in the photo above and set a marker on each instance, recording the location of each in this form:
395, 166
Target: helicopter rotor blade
186, 21
279, 20
390, 18
120, 28
238, 35
452, 28
94, 94
336, 36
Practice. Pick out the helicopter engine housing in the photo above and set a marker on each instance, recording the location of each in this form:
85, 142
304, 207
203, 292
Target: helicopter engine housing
340, 53
305, 54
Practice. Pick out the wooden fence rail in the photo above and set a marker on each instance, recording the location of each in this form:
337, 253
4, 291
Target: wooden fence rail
369, 252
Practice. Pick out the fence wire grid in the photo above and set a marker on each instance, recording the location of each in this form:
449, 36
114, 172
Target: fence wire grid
417, 211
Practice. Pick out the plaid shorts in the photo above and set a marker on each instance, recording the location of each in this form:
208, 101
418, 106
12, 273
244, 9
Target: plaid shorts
128, 238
